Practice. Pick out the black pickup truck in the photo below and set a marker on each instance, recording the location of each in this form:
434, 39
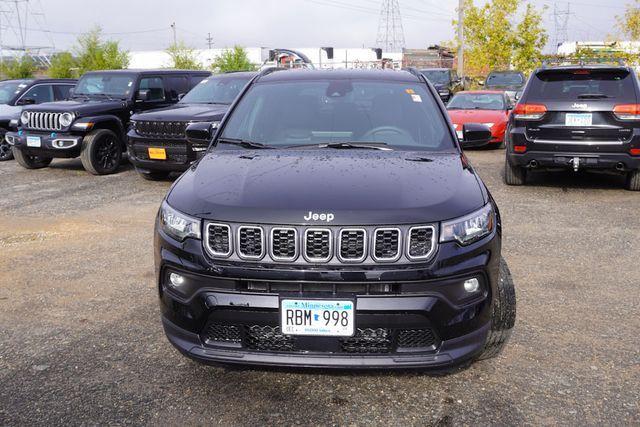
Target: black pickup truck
92, 124
156, 139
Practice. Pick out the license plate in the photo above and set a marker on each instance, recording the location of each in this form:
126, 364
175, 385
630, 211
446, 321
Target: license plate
33, 141
460, 135
157, 153
578, 120
317, 317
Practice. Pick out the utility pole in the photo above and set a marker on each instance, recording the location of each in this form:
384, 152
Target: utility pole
209, 40
561, 20
173, 27
461, 40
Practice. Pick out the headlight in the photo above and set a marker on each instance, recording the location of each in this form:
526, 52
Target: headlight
177, 224
489, 125
24, 117
470, 228
443, 92
66, 119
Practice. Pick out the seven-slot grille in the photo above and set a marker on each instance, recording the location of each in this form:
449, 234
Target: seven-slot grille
250, 242
44, 121
161, 128
297, 244
218, 239
387, 244
317, 245
353, 245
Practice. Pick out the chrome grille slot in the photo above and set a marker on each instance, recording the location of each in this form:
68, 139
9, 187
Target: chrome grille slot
353, 245
250, 242
218, 240
44, 121
284, 244
318, 245
161, 128
386, 244
421, 242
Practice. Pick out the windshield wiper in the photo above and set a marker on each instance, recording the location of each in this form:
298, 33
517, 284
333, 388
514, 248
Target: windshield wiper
243, 143
593, 96
345, 145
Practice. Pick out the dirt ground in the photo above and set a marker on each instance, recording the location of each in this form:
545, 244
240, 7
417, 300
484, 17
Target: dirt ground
81, 340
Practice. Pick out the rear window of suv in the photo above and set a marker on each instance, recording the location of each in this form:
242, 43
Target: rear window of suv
576, 84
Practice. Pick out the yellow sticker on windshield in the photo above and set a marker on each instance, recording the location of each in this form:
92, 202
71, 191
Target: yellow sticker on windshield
416, 98
409, 91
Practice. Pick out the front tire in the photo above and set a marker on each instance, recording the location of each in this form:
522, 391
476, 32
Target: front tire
514, 175
28, 161
101, 152
633, 181
503, 314
5, 151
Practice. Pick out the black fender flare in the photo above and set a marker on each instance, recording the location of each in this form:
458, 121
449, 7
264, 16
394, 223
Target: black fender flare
105, 119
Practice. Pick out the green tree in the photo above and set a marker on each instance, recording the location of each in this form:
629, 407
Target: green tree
63, 66
18, 68
629, 23
496, 39
235, 59
183, 57
93, 53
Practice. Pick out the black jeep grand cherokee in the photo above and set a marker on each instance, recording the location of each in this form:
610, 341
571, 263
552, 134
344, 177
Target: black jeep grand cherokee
334, 222
576, 117
92, 124
156, 139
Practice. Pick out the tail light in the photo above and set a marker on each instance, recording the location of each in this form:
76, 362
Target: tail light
635, 151
529, 111
627, 111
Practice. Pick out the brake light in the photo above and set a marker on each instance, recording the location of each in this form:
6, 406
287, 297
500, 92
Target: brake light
519, 148
635, 151
627, 111
529, 111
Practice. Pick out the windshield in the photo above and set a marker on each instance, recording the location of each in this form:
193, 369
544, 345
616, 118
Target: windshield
505, 79
575, 84
10, 89
216, 90
116, 85
437, 77
305, 112
477, 101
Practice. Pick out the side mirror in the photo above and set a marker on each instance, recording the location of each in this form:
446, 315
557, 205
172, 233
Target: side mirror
181, 95
26, 101
199, 133
475, 135
143, 95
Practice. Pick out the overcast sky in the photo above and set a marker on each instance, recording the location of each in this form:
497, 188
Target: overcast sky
145, 25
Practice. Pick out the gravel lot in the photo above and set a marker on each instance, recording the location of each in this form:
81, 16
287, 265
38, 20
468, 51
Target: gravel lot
81, 340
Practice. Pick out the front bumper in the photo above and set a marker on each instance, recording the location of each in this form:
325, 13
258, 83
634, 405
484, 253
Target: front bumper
46, 144
179, 153
229, 312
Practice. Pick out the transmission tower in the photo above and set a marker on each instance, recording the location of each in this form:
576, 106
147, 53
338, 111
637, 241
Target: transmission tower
561, 19
390, 33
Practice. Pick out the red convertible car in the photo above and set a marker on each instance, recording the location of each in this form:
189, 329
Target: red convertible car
491, 108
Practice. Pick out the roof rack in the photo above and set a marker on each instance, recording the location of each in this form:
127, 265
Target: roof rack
596, 60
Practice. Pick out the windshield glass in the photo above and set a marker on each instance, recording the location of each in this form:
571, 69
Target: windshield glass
477, 101
216, 90
505, 79
437, 77
575, 84
306, 112
117, 85
9, 89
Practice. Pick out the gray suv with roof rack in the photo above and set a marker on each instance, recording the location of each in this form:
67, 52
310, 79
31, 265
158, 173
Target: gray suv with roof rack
576, 117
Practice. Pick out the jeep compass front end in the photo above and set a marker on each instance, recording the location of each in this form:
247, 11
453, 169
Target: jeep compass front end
334, 222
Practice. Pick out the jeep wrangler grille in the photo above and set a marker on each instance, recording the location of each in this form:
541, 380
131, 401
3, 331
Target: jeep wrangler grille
43, 121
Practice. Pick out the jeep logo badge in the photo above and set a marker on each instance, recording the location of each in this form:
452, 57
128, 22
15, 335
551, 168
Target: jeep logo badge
328, 217
580, 106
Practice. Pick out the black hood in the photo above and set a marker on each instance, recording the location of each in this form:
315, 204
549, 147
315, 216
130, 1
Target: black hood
81, 107
185, 112
357, 187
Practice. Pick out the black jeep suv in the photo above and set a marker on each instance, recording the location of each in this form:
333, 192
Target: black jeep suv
576, 117
511, 82
445, 80
156, 140
334, 222
15, 94
92, 124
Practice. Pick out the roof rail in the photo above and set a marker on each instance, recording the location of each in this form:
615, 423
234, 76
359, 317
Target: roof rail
596, 60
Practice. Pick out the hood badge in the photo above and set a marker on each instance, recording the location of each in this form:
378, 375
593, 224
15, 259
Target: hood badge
580, 106
311, 216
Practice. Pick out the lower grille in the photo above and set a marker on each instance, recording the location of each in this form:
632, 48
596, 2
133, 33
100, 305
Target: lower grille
416, 338
215, 333
267, 338
378, 340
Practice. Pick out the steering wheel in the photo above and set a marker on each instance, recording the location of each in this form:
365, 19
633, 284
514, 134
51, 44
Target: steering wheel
388, 129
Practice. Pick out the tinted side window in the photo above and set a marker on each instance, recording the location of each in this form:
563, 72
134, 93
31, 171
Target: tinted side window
40, 93
197, 79
155, 87
176, 85
570, 85
61, 92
